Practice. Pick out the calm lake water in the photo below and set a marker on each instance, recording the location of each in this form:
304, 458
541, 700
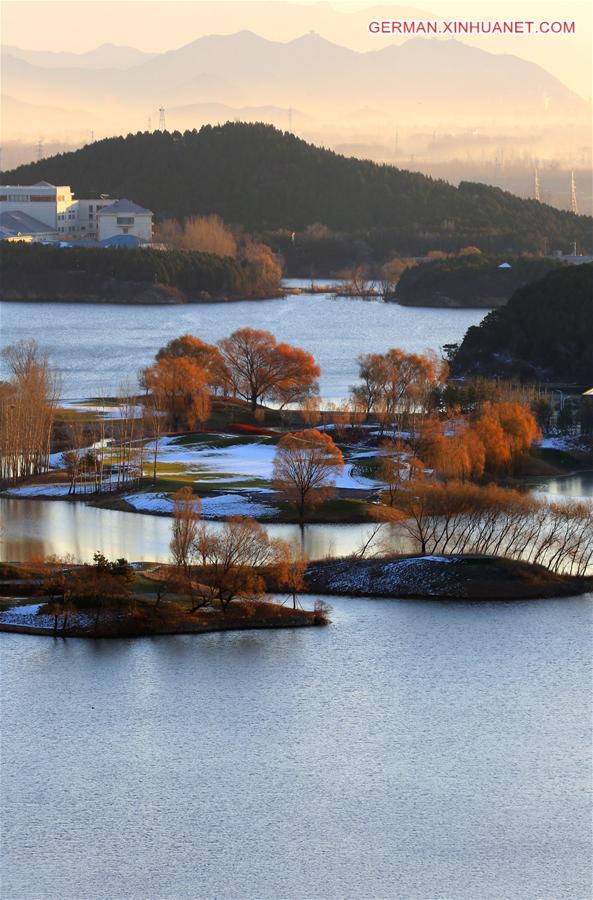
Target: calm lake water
410, 751
95, 347
41, 527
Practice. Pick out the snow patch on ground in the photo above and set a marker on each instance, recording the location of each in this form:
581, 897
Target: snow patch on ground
238, 462
150, 502
235, 505
421, 575
212, 507
561, 442
38, 490
29, 615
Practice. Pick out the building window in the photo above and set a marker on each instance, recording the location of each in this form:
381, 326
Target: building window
125, 220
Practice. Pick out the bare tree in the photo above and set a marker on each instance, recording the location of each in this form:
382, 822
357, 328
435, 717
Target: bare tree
305, 467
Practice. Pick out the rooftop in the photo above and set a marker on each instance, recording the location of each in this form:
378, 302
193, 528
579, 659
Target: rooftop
125, 206
17, 222
27, 187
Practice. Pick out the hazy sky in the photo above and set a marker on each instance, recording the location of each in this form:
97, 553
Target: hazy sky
157, 25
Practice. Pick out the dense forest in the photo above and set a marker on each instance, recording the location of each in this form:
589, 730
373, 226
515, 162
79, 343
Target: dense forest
544, 332
191, 272
267, 181
474, 280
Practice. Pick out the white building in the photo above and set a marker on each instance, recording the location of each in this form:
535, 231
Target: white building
125, 217
47, 212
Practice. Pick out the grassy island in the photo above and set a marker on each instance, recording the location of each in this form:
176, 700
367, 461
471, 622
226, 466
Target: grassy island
146, 619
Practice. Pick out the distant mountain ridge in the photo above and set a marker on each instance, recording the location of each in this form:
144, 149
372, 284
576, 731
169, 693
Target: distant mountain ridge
103, 57
266, 179
305, 72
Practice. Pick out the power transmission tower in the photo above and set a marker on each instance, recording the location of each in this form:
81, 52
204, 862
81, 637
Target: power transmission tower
573, 194
536, 191
150, 123
39, 149
162, 126
92, 135
290, 118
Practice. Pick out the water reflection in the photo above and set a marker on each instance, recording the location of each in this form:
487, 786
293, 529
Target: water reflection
573, 487
41, 527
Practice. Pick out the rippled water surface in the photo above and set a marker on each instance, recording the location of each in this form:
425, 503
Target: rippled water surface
409, 750
96, 346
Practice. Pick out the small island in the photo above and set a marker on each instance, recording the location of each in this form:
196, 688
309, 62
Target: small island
115, 600
110, 599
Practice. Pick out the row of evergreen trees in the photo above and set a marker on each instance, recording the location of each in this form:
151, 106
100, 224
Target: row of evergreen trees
189, 271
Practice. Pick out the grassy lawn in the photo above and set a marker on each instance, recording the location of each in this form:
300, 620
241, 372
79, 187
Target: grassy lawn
336, 511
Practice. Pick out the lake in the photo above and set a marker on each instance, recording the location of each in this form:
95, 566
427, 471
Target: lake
42, 527
95, 347
410, 750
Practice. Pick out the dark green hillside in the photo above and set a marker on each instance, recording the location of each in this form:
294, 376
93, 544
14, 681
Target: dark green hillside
470, 281
265, 179
545, 331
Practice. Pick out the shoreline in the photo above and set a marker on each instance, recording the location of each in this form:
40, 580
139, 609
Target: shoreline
9, 627
114, 501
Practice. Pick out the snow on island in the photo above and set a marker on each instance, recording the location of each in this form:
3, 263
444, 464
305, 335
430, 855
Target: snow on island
212, 507
454, 577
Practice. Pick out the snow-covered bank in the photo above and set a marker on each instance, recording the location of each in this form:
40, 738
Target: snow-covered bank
442, 577
212, 507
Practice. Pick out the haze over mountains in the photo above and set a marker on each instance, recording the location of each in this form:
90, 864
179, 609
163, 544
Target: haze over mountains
422, 77
390, 104
104, 57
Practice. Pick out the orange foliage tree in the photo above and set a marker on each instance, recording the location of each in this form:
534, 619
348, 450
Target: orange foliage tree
259, 368
507, 431
207, 234
180, 385
396, 385
206, 356
290, 568
453, 451
305, 467
234, 559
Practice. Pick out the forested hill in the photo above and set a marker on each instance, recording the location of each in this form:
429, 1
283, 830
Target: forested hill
265, 179
545, 331
475, 280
